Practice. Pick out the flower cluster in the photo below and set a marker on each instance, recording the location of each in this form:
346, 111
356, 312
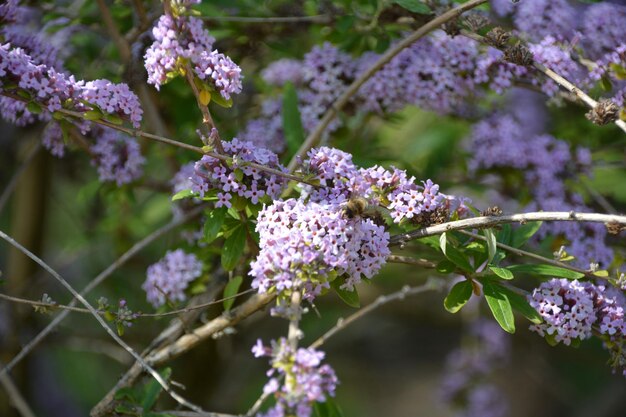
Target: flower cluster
298, 378
465, 386
238, 178
52, 139
117, 157
168, 278
51, 90
501, 141
306, 245
183, 40
572, 309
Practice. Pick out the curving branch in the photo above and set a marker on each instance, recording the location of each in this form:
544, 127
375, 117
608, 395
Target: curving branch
490, 221
99, 279
166, 386
314, 137
560, 80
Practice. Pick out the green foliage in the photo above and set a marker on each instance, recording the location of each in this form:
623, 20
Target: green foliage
415, 6
459, 295
351, 298
503, 273
546, 270
230, 290
234, 246
213, 223
328, 408
523, 233
500, 306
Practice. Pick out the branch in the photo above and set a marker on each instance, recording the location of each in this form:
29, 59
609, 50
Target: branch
563, 82
184, 343
119, 40
342, 323
15, 397
53, 306
490, 221
102, 323
314, 137
99, 279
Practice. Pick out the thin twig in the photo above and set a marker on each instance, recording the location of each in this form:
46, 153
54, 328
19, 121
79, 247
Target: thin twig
102, 323
16, 176
53, 306
275, 19
15, 397
150, 136
313, 138
560, 80
490, 221
119, 40
406, 291
293, 335
411, 261
99, 279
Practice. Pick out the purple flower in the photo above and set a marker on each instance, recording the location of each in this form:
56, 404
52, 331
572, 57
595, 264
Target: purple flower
305, 379
168, 278
117, 157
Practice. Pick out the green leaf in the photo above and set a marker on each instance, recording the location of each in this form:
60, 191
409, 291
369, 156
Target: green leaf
602, 273
151, 414
292, 122
33, 107
458, 296
504, 234
443, 240
523, 233
500, 306
233, 248
126, 393
327, 409
152, 390
213, 223
230, 290
446, 267
183, 194
491, 244
521, 305
414, 6
93, 115
112, 118
459, 258
349, 297
221, 101
503, 273
547, 270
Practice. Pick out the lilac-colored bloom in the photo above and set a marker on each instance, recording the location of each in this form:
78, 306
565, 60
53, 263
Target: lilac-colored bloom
117, 157
168, 278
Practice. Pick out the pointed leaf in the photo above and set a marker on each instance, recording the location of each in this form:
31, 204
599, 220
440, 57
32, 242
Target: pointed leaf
233, 248
230, 290
491, 244
521, 305
213, 224
443, 240
152, 390
523, 233
500, 306
459, 258
458, 296
349, 297
546, 270
182, 194
415, 6
503, 273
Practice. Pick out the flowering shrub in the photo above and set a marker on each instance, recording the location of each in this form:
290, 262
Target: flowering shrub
471, 143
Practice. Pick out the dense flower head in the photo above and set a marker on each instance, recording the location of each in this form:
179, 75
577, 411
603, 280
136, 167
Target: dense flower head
501, 141
556, 57
298, 378
182, 178
283, 71
182, 39
52, 139
111, 98
168, 278
35, 44
603, 28
9, 11
570, 309
238, 178
605, 70
540, 18
117, 157
306, 245
174, 38
52, 90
